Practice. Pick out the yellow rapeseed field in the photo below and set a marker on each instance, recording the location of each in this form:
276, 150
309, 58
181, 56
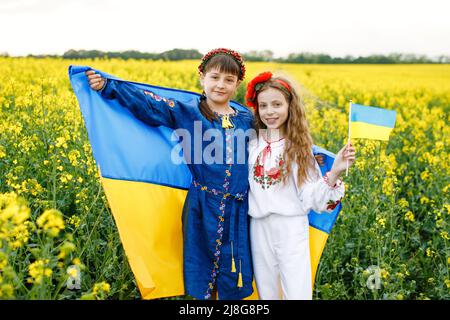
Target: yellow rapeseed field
58, 239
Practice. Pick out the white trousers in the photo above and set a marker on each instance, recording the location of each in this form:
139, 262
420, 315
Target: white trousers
281, 257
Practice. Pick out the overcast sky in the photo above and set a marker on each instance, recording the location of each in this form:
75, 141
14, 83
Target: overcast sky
336, 27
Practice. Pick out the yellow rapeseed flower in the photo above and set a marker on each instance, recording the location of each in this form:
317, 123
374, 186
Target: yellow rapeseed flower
2, 152
447, 207
409, 216
447, 283
74, 220
38, 270
3, 260
61, 142
100, 291
381, 222
6, 291
51, 221
399, 296
102, 287
444, 235
425, 175
384, 273
66, 177
430, 252
403, 203
66, 248
73, 157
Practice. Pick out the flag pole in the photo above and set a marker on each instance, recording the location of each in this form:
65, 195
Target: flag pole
349, 132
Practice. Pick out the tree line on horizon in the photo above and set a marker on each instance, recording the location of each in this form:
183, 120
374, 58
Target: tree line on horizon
265, 55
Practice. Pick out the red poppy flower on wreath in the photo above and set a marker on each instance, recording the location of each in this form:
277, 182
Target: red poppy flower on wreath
234, 54
250, 97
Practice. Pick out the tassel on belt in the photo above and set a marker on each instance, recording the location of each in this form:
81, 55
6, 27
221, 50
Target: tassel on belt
242, 214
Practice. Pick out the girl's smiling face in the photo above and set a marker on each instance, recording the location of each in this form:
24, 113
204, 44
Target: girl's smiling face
273, 108
219, 87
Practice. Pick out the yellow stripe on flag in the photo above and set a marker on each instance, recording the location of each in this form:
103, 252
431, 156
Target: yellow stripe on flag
369, 131
254, 295
151, 233
317, 241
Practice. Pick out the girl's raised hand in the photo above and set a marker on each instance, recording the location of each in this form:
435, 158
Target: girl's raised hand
95, 80
340, 163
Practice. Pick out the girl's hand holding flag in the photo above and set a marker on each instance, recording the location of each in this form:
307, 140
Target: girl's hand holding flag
345, 156
96, 81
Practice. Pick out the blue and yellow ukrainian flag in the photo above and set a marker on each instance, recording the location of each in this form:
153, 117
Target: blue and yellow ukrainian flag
371, 122
146, 191
320, 224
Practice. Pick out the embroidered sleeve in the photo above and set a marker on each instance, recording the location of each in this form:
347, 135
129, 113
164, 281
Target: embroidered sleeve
320, 196
145, 105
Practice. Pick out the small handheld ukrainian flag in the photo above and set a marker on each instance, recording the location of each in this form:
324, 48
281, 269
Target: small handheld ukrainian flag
370, 122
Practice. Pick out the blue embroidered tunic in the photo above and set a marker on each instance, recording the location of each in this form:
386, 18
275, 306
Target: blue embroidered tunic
215, 221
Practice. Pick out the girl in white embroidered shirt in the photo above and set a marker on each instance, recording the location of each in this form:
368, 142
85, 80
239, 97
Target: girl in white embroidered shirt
285, 184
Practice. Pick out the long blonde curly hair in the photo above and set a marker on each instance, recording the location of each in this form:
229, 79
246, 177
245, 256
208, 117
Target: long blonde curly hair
298, 147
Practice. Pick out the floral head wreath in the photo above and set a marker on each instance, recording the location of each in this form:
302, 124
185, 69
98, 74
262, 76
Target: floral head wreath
234, 54
257, 83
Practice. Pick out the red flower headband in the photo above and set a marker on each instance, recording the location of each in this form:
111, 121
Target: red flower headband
257, 83
234, 54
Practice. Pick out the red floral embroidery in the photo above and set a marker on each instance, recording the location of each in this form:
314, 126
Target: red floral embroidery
274, 173
332, 204
259, 170
267, 178
169, 102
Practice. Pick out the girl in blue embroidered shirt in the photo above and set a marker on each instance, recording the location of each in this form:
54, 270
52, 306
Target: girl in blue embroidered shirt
215, 223
285, 185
